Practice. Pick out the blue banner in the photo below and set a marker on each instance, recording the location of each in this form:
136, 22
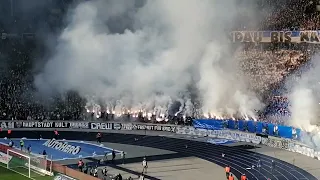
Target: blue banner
210, 124
249, 126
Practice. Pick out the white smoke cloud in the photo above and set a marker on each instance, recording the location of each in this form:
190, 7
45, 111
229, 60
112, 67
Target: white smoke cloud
224, 91
305, 98
149, 67
303, 108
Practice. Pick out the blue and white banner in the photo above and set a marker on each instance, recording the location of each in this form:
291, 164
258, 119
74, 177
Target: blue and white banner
62, 149
220, 141
211, 125
249, 126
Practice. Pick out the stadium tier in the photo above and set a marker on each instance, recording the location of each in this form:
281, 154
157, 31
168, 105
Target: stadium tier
249, 66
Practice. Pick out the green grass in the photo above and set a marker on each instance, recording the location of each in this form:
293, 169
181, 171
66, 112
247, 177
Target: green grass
6, 174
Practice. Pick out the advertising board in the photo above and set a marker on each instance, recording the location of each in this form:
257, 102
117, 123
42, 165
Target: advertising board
4, 158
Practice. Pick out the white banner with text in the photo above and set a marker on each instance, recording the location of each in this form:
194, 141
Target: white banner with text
223, 134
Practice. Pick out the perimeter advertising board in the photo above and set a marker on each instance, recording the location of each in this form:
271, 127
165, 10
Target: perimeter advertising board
4, 158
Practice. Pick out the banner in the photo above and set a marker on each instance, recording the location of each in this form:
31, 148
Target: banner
221, 134
237, 136
153, 127
126, 126
219, 141
249, 126
211, 125
304, 150
62, 177
4, 158
276, 36
147, 127
52, 124
6, 124
87, 125
101, 126
62, 146
276, 142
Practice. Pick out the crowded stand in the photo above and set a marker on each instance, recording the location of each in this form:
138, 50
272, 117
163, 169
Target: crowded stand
267, 65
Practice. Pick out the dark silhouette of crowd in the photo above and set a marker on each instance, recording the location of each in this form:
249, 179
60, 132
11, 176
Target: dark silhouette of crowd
267, 64
22, 25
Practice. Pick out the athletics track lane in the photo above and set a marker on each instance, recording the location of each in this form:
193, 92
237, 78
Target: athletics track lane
237, 158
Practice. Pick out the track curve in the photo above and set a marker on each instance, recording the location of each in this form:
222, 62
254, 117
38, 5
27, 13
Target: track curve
237, 158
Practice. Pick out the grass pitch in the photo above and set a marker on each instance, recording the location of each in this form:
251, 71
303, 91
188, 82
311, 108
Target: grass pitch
6, 174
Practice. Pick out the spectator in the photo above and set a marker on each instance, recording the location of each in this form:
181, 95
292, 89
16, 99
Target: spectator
141, 177
98, 137
113, 155
231, 177
21, 144
144, 166
105, 172
29, 148
227, 170
267, 65
56, 134
273, 165
11, 143
123, 157
243, 177
80, 165
95, 172
85, 168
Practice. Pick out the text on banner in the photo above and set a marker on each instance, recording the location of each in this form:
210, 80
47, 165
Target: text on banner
52, 124
101, 126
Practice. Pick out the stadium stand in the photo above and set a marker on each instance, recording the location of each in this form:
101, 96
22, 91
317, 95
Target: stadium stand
267, 65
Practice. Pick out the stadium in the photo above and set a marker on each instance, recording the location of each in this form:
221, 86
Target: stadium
158, 89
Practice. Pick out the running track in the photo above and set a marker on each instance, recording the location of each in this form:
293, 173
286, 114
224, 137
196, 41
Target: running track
239, 159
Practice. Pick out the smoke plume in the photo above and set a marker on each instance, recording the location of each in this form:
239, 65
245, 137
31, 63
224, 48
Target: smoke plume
304, 98
144, 57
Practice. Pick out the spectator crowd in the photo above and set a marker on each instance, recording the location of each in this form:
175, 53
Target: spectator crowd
267, 65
